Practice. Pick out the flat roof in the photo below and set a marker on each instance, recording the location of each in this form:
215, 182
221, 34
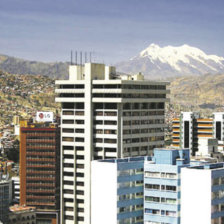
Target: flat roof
20, 208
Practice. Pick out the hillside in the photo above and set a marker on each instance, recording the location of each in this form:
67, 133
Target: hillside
19, 66
24, 95
202, 93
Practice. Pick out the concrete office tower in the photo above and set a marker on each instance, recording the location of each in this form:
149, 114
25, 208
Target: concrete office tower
103, 116
162, 185
202, 194
40, 169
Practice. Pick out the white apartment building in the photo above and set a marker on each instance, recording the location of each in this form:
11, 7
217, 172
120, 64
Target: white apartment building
103, 116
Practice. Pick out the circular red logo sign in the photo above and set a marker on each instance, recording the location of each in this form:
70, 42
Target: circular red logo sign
41, 115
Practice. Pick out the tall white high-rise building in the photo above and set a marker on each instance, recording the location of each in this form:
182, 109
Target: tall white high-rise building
103, 115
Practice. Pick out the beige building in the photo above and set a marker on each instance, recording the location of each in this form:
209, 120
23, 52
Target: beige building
103, 116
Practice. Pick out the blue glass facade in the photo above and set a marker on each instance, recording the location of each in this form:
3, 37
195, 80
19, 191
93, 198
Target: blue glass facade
130, 189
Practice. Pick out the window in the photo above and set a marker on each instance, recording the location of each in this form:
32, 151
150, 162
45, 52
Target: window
68, 130
152, 199
152, 186
68, 139
152, 174
67, 121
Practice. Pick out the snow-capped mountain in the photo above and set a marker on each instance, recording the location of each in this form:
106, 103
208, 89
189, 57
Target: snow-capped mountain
156, 61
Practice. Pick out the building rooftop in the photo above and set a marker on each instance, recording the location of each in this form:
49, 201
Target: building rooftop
129, 159
20, 208
212, 166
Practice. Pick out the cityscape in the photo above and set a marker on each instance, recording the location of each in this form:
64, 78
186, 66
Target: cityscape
111, 112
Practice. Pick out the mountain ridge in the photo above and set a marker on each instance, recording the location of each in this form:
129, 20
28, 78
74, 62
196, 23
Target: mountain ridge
13, 65
168, 61
154, 62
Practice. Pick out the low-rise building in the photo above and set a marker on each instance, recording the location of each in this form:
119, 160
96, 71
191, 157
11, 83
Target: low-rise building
22, 215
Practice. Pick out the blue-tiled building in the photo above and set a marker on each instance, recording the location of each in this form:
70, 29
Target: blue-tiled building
117, 191
154, 190
162, 186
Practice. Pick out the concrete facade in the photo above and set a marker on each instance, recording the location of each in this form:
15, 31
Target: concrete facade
103, 116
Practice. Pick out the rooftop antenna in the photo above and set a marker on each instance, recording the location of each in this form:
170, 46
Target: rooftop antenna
71, 57
76, 57
85, 57
81, 57
90, 56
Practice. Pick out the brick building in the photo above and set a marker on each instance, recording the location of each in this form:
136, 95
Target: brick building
40, 169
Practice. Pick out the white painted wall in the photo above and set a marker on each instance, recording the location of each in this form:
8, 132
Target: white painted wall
103, 193
205, 146
195, 196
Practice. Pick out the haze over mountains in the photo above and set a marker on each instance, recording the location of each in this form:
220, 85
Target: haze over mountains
169, 61
154, 62
58, 70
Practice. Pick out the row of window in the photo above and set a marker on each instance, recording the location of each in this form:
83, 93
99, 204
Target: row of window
127, 86
71, 148
117, 95
71, 174
72, 95
71, 139
142, 148
72, 112
142, 122
160, 212
145, 139
130, 184
161, 200
143, 106
105, 140
73, 121
137, 219
130, 208
78, 183
161, 187
130, 196
105, 113
160, 175
105, 131
73, 105
142, 131
143, 113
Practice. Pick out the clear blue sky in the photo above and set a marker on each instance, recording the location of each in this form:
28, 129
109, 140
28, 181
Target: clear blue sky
46, 30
